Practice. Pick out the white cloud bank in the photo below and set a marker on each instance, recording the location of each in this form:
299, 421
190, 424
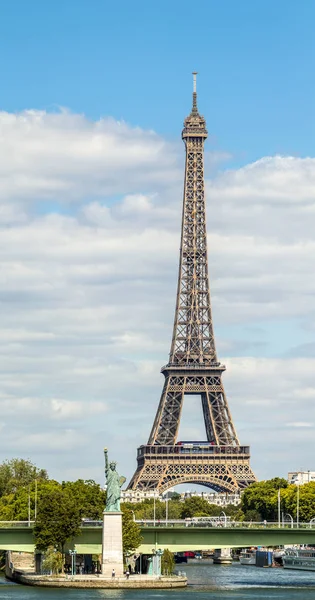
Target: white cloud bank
90, 223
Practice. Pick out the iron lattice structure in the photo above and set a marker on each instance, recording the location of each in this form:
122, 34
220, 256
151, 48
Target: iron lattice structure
220, 463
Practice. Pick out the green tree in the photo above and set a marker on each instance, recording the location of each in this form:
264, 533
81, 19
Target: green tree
15, 506
53, 561
167, 562
58, 518
195, 507
306, 501
17, 473
89, 497
131, 532
262, 497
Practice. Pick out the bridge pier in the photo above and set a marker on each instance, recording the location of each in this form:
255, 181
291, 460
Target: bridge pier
222, 556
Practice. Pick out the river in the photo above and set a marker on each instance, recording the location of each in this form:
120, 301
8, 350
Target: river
206, 582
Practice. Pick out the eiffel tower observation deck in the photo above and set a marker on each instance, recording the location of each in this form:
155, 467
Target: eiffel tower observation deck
219, 462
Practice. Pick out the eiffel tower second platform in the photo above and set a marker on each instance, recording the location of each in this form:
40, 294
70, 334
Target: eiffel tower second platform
219, 462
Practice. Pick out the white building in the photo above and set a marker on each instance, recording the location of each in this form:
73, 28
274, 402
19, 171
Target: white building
220, 499
301, 477
211, 497
137, 496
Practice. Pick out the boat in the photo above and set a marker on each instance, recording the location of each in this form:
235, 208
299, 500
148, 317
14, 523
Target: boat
278, 556
299, 558
248, 557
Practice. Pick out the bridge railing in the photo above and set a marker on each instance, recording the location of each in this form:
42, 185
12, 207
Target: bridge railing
6, 524
193, 522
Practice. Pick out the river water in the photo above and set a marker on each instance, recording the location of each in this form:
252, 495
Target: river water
206, 582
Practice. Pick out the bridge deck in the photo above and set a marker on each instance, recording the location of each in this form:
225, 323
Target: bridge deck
174, 538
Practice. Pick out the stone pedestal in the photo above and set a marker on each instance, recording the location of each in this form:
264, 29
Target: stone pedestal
222, 556
112, 548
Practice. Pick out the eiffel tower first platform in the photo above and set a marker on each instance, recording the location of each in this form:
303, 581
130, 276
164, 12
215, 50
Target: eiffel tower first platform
220, 462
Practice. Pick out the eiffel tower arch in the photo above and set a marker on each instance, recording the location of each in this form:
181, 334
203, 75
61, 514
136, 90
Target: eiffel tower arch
219, 462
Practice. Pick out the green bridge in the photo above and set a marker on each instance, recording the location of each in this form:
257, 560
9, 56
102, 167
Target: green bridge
19, 537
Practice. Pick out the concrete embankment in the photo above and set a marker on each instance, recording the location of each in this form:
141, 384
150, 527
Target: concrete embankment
25, 575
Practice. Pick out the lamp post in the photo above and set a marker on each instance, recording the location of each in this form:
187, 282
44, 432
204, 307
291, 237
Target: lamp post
35, 509
225, 517
279, 508
290, 517
154, 509
166, 510
297, 506
72, 554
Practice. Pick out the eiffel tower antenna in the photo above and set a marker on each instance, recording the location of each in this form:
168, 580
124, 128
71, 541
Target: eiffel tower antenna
219, 462
195, 91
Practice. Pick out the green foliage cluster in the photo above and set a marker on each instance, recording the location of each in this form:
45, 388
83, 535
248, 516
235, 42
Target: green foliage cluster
167, 562
260, 500
131, 532
18, 473
58, 518
53, 562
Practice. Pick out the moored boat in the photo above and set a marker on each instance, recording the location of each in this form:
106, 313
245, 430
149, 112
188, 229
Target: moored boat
248, 557
299, 558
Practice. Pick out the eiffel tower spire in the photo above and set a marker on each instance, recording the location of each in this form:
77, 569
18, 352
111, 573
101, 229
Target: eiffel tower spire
193, 338
193, 368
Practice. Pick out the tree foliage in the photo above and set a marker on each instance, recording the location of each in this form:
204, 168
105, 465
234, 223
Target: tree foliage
197, 507
89, 497
58, 518
167, 562
17, 473
131, 532
53, 561
262, 497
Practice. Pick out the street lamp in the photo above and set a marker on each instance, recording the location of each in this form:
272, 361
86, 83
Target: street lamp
166, 510
154, 513
72, 554
297, 506
290, 517
225, 517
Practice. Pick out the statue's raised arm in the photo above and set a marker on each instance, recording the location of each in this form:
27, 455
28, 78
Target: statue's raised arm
113, 485
106, 460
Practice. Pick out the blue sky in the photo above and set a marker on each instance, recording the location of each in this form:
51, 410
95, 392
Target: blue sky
133, 61
93, 96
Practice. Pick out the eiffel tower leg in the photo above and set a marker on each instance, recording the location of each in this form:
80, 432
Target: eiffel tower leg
218, 420
166, 423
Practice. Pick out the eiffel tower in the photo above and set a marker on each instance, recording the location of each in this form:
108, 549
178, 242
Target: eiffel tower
220, 462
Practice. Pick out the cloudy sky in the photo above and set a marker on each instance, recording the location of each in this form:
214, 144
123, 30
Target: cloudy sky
91, 178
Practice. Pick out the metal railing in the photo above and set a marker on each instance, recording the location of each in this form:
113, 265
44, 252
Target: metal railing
226, 524
193, 522
10, 524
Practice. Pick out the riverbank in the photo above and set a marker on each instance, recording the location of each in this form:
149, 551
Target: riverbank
98, 581
20, 569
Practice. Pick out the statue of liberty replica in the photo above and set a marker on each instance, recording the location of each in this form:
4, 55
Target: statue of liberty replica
114, 482
112, 548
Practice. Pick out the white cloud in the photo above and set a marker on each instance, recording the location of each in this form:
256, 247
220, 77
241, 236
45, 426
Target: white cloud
87, 295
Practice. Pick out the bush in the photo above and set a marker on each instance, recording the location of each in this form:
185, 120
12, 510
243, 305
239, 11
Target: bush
167, 562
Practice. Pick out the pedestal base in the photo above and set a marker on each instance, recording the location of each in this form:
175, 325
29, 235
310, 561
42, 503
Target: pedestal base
222, 556
112, 548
